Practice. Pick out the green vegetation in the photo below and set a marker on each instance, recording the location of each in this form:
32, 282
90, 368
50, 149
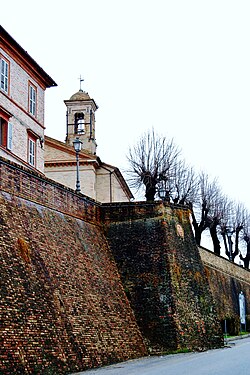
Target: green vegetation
242, 333
177, 351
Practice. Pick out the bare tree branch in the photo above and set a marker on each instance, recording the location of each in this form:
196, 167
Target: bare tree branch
151, 160
207, 211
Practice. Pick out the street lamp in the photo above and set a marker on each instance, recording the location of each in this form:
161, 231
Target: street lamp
164, 195
77, 143
163, 191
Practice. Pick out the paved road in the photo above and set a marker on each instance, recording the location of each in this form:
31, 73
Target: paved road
231, 360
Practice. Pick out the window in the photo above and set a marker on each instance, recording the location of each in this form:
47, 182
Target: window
9, 137
32, 151
5, 134
32, 138
32, 99
79, 123
4, 75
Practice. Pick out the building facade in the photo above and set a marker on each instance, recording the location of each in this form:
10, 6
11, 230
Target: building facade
22, 89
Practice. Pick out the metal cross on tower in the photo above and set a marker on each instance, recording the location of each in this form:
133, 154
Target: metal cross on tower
81, 80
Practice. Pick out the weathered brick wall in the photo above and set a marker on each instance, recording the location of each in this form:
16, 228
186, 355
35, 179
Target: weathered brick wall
226, 281
35, 187
163, 275
62, 303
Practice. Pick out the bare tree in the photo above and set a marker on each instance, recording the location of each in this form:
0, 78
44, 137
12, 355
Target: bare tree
182, 187
246, 257
203, 207
231, 227
246, 240
155, 165
239, 222
151, 160
217, 213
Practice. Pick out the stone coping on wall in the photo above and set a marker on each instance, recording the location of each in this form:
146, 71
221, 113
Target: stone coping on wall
223, 265
123, 211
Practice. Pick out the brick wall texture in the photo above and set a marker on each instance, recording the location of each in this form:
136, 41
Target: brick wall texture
226, 281
163, 276
86, 284
62, 305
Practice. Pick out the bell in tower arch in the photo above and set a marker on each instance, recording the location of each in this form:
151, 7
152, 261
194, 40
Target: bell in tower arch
79, 123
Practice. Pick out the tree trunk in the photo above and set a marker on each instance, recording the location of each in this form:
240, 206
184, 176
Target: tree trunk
197, 232
236, 247
150, 193
215, 239
197, 236
226, 245
246, 259
246, 263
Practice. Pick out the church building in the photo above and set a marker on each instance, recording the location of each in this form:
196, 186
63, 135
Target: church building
98, 180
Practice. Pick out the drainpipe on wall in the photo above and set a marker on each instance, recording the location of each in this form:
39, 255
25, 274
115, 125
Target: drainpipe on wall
67, 125
110, 182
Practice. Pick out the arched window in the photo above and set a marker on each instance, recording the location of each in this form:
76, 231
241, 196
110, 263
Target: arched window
79, 123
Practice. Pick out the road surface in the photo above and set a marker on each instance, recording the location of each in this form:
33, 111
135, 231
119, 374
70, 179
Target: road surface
231, 360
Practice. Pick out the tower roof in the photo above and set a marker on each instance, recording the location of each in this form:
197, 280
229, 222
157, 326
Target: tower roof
80, 95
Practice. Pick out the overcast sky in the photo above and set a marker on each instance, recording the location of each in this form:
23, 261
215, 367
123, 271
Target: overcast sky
182, 67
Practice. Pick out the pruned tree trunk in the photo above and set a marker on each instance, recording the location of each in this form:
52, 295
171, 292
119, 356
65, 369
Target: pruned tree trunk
197, 232
246, 259
198, 228
150, 193
215, 239
225, 244
236, 247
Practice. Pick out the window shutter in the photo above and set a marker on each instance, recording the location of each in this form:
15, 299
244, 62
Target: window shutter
9, 136
4, 75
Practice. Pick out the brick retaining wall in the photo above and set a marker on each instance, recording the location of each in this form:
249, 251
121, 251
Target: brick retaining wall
65, 307
62, 304
35, 187
163, 275
226, 280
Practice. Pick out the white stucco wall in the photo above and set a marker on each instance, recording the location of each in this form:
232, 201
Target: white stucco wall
66, 175
108, 187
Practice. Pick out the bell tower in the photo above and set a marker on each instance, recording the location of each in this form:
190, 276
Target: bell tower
80, 119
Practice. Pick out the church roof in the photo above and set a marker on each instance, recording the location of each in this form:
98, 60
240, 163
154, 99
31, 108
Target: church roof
67, 153
80, 95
